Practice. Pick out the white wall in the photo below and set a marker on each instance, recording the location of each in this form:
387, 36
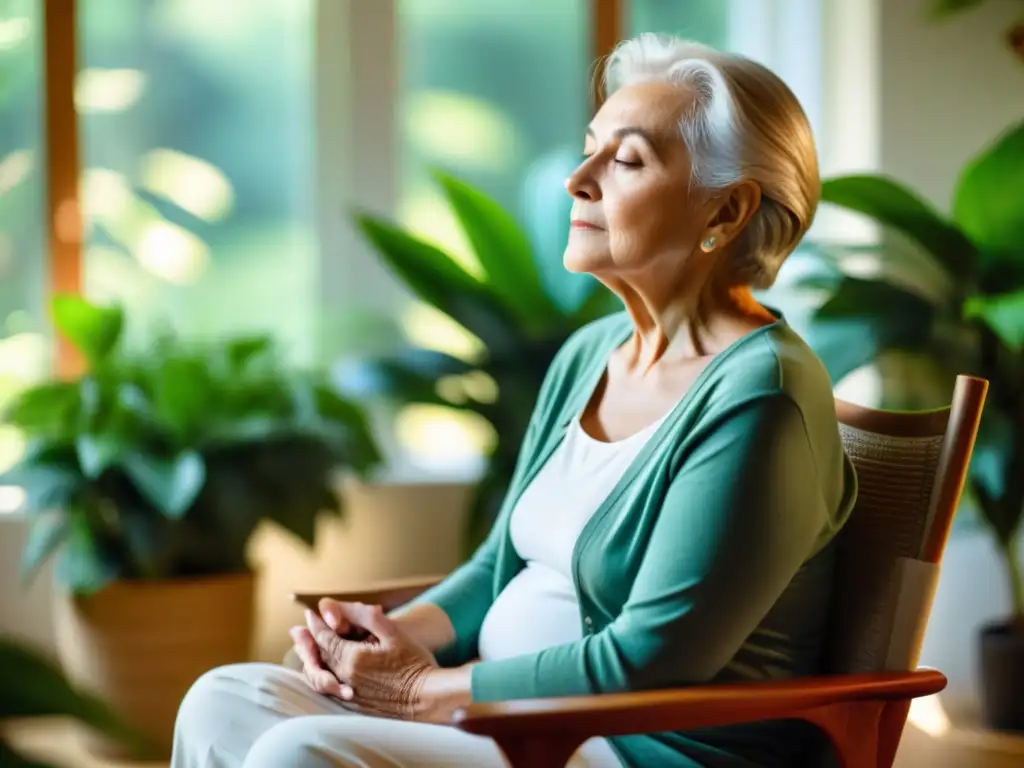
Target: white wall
946, 90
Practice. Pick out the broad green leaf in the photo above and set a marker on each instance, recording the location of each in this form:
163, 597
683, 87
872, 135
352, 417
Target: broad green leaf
93, 330
97, 452
45, 409
48, 531
181, 395
240, 352
865, 317
1004, 314
504, 252
598, 302
83, 564
988, 203
172, 485
50, 478
34, 686
893, 205
436, 279
857, 297
346, 415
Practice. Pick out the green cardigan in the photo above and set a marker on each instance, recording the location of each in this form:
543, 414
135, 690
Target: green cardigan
708, 562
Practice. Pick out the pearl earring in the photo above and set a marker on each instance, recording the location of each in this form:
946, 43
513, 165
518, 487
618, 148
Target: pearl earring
708, 244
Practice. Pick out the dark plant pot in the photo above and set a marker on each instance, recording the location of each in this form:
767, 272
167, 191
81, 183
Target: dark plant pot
1001, 654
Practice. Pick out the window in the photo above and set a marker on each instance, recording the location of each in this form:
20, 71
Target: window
197, 181
706, 21
496, 93
24, 343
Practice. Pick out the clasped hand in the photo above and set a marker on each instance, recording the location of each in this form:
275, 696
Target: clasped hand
383, 673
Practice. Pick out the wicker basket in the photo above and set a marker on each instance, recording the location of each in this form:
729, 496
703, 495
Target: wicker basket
140, 645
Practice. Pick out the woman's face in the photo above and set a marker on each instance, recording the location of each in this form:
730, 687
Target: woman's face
633, 208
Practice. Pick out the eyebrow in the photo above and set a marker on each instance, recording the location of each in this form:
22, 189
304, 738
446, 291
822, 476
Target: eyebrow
629, 130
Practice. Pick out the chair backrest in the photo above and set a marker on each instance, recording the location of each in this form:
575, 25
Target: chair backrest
911, 469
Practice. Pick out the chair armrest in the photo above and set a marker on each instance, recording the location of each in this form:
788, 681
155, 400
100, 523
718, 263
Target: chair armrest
579, 718
389, 594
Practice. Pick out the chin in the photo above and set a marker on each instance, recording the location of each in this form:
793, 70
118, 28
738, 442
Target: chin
584, 261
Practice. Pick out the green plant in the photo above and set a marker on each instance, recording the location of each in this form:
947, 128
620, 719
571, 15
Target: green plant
35, 687
955, 301
507, 308
160, 463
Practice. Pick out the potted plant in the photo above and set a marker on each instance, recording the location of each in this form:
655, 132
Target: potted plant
507, 307
956, 302
147, 475
35, 687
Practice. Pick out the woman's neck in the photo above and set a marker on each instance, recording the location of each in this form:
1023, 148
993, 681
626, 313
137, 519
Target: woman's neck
688, 327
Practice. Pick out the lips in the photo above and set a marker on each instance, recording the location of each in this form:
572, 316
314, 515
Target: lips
580, 224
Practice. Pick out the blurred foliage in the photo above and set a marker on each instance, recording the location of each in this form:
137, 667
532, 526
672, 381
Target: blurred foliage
508, 309
969, 318
160, 463
35, 687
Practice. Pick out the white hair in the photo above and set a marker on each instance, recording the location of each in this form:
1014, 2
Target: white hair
744, 123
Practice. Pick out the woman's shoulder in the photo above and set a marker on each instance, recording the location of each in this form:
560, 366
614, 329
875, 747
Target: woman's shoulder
776, 361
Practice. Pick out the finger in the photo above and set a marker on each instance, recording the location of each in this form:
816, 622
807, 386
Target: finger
332, 613
305, 648
370, 617
332, 645
319, 678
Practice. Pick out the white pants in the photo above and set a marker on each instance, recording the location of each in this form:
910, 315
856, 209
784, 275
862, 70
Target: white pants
266, 716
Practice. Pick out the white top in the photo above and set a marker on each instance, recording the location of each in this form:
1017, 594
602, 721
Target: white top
538, 608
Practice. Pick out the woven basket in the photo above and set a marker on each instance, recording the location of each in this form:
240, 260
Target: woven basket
140, 645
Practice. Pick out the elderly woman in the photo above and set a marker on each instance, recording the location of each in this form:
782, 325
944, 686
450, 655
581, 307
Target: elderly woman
678, 489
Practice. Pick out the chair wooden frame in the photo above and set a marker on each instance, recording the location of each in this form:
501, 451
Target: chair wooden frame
863, 715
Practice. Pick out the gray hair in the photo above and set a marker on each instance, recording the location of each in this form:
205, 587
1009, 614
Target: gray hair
744, 123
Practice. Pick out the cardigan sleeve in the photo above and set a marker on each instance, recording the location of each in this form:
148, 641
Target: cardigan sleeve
742, 514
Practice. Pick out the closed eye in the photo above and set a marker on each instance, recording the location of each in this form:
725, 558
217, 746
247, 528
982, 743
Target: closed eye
628, 163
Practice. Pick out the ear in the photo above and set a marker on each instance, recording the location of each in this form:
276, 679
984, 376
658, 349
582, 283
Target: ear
734, 211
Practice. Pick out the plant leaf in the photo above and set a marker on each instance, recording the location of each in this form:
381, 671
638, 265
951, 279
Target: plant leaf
181, 395
600, 301
1004, 314
93, 330
361, 449
49, 478
97, 452
45, 409
987, 201
171, 485
865, 317
504, 252
35, 687
82, 564
48, 531
892, 204
436, 279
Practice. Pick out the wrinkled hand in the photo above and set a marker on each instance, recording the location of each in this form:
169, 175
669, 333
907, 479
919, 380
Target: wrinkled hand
384, 673
317, 675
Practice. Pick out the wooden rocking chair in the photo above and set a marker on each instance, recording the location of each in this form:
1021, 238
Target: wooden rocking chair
911, 471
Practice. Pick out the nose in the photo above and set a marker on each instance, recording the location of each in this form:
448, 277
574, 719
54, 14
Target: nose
582, 185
